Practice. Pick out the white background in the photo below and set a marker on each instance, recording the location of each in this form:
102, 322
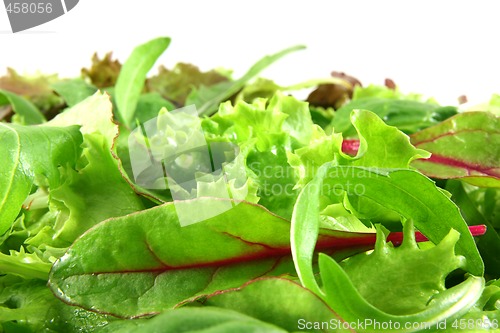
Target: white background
439, 48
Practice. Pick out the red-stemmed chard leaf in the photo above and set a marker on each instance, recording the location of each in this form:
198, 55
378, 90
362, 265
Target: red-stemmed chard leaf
146, 262
465, 146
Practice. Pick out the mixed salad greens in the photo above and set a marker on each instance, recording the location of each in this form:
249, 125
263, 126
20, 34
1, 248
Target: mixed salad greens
357, 214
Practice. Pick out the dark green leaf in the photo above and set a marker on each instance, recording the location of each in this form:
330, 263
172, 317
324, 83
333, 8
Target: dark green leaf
488, 244
407, 115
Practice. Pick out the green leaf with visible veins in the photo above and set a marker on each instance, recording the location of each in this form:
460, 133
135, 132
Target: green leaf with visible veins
26, 157
466, 146
414, 197
144, 263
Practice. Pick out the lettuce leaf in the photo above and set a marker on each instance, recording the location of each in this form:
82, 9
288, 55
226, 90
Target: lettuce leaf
177, 83
94, 190
31, 307
35, 88
27, 161
420, 274
103, 72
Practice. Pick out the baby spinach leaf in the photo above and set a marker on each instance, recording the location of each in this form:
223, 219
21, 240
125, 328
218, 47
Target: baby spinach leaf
26, 111
207, 99
26, 157
466, 146
133, 75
